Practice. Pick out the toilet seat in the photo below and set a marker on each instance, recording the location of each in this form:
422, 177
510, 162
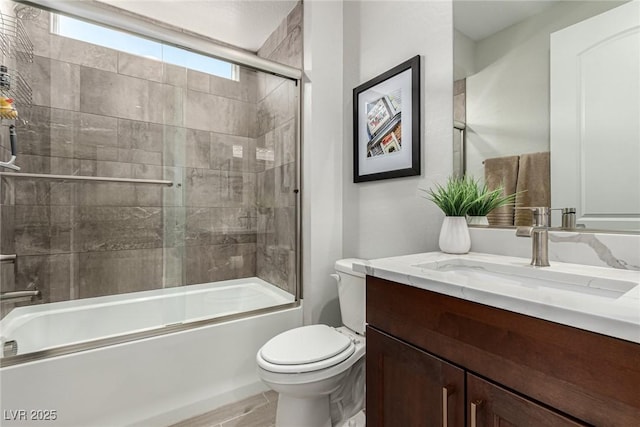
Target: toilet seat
305, 349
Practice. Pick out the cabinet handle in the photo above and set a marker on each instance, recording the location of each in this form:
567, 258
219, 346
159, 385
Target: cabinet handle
446, 392
475, 405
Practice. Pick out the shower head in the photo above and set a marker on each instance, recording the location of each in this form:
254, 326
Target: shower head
26, 13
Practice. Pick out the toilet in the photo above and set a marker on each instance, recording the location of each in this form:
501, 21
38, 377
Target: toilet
318, 370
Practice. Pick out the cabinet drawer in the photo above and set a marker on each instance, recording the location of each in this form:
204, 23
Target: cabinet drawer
589, 376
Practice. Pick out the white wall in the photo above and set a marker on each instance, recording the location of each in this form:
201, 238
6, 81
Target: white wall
381, 218
508, 97
464, 51
322, 159
386, 218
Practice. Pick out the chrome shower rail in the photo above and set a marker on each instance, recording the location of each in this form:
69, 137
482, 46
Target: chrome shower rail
111, 16
86, 178
135, 336
14, 295
8, 258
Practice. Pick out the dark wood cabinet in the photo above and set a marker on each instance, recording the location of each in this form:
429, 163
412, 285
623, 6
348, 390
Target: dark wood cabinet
517, 370
408, 387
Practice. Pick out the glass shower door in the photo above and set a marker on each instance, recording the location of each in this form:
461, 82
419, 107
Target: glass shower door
157, 187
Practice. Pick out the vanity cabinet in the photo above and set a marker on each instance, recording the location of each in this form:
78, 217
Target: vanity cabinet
497, 367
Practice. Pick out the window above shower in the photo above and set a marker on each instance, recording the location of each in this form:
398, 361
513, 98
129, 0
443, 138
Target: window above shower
77, 29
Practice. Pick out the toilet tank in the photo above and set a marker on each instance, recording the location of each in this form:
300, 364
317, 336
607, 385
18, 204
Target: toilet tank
351, 292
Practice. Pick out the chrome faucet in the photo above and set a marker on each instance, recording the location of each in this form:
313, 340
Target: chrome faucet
568, 218
539, 234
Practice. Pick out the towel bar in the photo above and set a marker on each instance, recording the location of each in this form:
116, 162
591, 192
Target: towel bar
8, 258
9, 296
87, 178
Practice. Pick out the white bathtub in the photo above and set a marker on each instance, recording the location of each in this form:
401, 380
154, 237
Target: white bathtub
152, 381
44, 326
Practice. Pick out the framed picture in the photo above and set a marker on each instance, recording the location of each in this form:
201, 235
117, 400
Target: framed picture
386, 124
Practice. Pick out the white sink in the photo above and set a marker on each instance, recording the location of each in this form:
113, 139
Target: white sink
524, 275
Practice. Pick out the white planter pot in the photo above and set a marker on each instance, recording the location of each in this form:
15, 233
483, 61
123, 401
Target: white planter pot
478, 220
454, 235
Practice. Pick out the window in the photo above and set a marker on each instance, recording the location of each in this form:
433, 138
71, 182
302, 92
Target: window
135, 45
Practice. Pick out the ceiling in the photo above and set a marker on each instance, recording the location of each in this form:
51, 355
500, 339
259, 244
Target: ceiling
478, 19
248, 23
242, 23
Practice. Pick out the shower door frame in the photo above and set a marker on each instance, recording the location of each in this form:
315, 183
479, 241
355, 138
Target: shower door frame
137, 25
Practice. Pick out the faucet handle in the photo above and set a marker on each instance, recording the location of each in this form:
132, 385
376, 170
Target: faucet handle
564, 210
541, 215
568, 217
524, 231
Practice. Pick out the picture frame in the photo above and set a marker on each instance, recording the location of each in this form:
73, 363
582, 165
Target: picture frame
386, 124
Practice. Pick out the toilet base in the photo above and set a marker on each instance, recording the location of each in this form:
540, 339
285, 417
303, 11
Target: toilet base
305, 411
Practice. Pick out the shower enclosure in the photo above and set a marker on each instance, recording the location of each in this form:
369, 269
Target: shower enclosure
145, 170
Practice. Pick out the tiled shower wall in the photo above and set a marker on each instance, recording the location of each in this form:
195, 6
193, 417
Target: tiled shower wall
228, 145
6, 204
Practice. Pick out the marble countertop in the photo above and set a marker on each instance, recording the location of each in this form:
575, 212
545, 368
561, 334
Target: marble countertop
598, 299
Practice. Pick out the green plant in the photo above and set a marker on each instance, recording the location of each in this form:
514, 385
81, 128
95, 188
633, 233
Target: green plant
456, 197
487, 200
462, 196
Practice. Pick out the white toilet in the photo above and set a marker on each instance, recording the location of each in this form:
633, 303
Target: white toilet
319, 370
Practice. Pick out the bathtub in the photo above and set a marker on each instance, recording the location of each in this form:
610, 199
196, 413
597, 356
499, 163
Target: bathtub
157, 380
46, 326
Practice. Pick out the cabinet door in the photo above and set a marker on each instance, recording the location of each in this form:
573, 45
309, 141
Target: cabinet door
408, 387
493, 406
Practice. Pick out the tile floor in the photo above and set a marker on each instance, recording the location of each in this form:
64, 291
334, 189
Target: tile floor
254, 411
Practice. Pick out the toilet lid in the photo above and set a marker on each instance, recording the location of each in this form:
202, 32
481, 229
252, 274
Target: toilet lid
307, 367
304, 345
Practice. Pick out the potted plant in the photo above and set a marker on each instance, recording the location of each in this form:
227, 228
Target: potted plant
455, 199
485, 201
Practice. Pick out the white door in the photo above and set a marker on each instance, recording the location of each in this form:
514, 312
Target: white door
595, 119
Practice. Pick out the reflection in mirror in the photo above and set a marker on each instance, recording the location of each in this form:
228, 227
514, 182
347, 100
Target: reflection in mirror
547, 92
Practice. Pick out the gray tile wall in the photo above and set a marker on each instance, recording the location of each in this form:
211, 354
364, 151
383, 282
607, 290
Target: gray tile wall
7, 241
229, 144
276, 155
7, 200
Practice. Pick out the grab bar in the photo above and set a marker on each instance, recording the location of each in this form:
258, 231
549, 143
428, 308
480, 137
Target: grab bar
8, 258
87, 178
9, 296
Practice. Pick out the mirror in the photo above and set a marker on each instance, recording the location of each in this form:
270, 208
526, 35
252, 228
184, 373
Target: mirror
516, 92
